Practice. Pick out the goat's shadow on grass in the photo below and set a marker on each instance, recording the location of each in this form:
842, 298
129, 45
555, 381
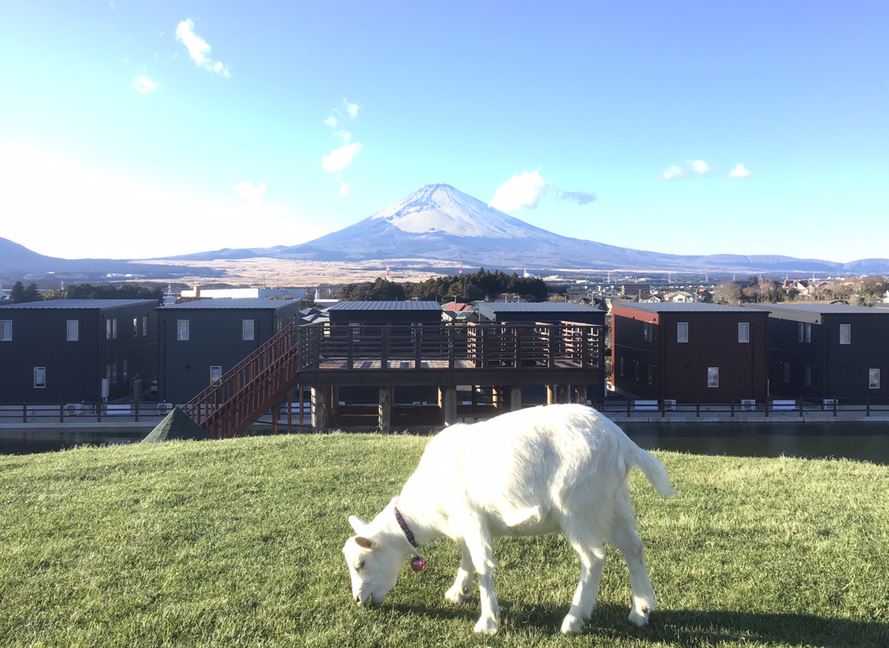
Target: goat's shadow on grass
681, 627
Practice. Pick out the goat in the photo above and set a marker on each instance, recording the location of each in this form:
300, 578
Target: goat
528, 472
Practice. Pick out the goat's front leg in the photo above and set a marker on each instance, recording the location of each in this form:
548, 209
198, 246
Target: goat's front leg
478, 542
459, 590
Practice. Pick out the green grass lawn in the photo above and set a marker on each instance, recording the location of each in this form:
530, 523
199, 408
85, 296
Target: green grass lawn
237, 543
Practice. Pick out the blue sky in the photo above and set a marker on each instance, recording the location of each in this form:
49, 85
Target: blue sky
144, 129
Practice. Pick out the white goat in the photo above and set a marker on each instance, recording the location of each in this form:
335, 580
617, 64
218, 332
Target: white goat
529, 472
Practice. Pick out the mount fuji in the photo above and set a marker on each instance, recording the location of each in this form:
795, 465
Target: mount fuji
441, 225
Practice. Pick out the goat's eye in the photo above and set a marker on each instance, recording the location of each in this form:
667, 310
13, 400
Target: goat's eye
359, 565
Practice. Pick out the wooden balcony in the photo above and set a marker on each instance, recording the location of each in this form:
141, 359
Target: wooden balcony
385, 355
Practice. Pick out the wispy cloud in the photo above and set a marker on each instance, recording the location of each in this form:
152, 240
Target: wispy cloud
340, 158
144, 85
251, 193
198, 48
699, 167
522, 190
740, 171
579, 197
673, 172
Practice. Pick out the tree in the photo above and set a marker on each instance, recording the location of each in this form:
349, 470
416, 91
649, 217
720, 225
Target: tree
727, 292
20, 294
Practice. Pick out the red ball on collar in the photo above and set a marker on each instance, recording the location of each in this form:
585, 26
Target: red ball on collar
418, 563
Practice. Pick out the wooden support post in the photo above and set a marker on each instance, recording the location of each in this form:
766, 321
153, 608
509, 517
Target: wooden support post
334, 402
498, 398
450, 405
276, 414
551, 395
384, 410
563, 394
578, 394
515, 397
302, 409
290, 411
319, 409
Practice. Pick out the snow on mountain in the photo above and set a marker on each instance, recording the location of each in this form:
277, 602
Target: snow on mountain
441, 208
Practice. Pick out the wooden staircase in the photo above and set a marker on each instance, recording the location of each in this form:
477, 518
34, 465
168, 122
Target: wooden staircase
228, 407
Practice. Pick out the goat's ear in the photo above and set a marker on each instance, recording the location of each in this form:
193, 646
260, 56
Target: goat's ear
364, 543
357, 524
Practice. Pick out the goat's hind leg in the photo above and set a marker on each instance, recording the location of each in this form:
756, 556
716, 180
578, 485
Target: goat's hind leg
625, 537
460, 589
592, 561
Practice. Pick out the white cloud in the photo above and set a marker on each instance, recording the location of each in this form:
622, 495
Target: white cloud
251, 193
144, 85
523, 190
351, 108
37, 187
340, 158
740, 171
673, 172
331, 121
198, 48
699, 167
344, 189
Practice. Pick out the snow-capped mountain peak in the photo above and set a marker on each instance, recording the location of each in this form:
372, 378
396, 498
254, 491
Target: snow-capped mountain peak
442, 209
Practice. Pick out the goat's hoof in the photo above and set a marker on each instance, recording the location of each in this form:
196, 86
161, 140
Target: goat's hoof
456, 595
486, 626
639, 617
572, 625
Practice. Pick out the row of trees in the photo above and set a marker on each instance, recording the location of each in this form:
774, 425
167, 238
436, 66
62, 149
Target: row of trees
20, 293
864, 291
483, 284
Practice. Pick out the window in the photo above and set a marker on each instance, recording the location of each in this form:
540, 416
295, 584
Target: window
111, 328
682, 332
743, 332
247, 329
712, 376
73, 330
39, 377
135, 326
873, 378
144, 325
845, 334
215, 373
807, 375
647, 332
124, 370
5, 330
808, 334
787, 372
182, 330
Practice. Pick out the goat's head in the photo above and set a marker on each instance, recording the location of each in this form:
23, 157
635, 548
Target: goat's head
374, 560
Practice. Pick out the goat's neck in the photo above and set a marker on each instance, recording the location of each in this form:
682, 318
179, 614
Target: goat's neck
422, 514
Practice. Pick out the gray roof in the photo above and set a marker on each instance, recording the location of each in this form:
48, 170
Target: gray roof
814, 312
232, 304
79, 304
670, 307
536, 307
385, 306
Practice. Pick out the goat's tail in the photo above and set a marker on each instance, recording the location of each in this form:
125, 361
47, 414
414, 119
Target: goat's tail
652, 468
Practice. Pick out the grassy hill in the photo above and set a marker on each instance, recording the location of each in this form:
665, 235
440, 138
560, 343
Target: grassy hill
237, 543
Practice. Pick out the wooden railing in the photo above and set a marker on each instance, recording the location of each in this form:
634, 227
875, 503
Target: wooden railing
446, 346
230, 405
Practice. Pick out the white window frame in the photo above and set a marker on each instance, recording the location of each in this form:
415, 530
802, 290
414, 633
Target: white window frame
41, 372
682, 332
647, 331
873, 378
845, 334
248, 330
72, 330
5, 330
144, 325
712, 377
743, 332
135, 327
183, 330
215, 369
808, 329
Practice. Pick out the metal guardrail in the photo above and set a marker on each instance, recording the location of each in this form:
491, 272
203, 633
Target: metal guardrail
823, 408
83, 412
